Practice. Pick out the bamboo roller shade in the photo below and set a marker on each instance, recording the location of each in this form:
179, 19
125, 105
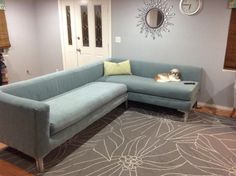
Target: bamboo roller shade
230, 58
4, 38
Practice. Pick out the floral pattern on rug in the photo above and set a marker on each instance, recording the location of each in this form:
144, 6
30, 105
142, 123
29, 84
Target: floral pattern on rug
140, 142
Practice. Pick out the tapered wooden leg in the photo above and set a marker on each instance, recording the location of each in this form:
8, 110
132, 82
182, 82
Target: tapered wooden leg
232, 112
126, 104
40, 164
186, 114
195, 105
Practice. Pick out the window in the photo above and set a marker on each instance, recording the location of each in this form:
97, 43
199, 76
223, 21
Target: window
230, 57
85, 26
98, 25
68, 19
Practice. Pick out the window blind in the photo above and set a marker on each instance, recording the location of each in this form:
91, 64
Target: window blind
4, 38
230, 57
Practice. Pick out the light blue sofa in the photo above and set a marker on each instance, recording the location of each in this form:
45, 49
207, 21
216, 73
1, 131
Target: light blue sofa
38, 115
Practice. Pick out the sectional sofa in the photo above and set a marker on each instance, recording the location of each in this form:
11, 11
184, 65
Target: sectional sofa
40, 114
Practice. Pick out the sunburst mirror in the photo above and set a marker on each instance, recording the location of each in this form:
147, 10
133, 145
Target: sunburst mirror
154, 18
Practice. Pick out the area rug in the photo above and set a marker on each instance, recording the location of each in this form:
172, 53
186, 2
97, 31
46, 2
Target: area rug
143, 142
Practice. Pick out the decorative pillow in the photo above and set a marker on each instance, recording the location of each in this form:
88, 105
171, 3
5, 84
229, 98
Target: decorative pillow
112, 68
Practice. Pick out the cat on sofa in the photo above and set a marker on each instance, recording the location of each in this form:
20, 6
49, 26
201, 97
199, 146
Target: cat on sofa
173, 75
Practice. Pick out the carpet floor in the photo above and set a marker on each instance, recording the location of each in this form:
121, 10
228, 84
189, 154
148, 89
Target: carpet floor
143, 141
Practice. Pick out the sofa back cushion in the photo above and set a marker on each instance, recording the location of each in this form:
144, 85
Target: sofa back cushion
151, 69
54, 84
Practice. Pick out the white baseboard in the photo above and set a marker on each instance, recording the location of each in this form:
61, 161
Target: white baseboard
215, 106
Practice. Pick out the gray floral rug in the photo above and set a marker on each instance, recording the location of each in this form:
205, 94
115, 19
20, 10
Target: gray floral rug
146, 141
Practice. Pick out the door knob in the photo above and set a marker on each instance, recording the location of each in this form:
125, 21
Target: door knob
78, 38
78, 50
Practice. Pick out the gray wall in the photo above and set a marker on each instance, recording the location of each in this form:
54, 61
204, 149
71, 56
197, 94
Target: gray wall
23, 54
197, 40
48, 35
35, 38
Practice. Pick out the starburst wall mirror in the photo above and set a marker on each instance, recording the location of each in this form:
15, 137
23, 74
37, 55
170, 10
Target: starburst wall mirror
154, 18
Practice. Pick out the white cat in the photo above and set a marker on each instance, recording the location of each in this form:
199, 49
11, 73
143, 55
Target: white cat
173, 75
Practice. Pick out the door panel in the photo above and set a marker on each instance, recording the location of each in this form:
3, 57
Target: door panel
89, 31
68, 38
85, 36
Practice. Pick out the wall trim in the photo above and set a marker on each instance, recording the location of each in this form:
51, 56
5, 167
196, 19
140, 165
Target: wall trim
215, 106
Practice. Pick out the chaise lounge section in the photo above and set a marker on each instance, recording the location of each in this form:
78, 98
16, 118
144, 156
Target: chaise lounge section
143, 88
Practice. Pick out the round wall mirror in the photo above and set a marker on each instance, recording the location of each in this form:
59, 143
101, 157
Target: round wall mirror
154, 18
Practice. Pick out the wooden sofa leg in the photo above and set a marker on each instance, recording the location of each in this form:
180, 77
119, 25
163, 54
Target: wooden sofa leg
126, 104
195, 105
233, 111
40, 164
186, 114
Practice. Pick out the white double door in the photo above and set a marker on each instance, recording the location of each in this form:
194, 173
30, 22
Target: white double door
85, 31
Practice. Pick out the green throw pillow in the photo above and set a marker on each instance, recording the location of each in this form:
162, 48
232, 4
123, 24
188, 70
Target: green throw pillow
112, 68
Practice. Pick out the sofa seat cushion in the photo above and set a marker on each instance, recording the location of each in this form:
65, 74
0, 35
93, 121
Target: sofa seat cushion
71, 107
174, 90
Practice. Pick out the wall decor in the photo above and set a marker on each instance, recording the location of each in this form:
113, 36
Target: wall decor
154, 18
190, 7
232, 4
2, 5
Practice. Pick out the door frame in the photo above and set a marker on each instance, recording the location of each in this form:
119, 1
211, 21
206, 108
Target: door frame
62, 37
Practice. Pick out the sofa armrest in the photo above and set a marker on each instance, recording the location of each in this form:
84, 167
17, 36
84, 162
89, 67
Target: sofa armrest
24, 124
